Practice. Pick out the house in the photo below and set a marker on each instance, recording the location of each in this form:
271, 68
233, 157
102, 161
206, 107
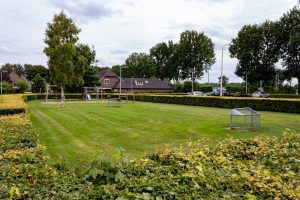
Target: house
109, 80
11, 77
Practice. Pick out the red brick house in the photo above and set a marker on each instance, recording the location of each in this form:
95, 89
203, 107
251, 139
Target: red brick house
110, 81
11, 77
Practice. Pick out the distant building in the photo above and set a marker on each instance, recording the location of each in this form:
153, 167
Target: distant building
109, 80
12, 78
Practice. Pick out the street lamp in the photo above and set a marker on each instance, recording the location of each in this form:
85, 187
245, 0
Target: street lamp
221, 88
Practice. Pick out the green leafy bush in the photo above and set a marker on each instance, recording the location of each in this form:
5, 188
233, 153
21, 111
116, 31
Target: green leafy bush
258, 168
205, 89
233, 89
39, 84
22, 85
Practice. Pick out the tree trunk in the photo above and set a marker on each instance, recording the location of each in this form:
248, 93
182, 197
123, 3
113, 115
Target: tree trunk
62, 102
298, 85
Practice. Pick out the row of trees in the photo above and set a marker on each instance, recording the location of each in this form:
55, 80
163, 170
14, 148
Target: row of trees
188, 58
259, 47
28, 71
71, 63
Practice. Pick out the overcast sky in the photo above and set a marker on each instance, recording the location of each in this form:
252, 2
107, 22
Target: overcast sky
117, 28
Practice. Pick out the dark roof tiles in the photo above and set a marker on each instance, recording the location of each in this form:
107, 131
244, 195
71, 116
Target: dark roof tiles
143, 83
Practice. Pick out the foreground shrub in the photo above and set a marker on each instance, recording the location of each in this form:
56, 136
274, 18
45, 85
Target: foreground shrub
259, 168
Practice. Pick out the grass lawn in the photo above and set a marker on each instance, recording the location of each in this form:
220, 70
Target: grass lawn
79, 132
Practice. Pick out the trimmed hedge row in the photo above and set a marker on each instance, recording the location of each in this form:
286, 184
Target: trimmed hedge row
12, 104
286, 96
269, 104
278, 105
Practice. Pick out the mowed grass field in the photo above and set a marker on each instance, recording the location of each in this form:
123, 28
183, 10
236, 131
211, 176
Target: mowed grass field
81, 131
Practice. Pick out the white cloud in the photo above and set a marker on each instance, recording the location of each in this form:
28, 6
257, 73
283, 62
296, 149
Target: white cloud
117, 28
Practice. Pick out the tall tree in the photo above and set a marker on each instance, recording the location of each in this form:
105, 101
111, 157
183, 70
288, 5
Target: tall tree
257, 49
140, 65
225, 80
164, 57
91, 77
61, 36
290, 31
39, 84
196, 51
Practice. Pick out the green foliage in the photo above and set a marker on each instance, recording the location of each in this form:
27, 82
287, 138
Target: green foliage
286, 96
107, 169
290, 40
187, 86
257, 168
257, 49
277, 105
225, 80
31, 71
205, 89
5, 85
286, 90
165, 57
61, 36
22, 85
13, 68
177, 87
38, 85
196, 52
233, 89
139, 65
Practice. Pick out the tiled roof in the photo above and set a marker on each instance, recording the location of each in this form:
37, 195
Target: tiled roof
143, 83
10, 77
107, 73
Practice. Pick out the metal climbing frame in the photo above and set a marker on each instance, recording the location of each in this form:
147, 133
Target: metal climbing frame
244, 118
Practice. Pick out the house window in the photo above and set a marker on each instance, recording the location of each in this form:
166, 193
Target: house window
106, 81
15, 85
139, 82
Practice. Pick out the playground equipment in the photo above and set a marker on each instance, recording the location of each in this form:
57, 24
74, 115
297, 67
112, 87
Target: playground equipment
114, 102
49, 88
244, 118
89, 90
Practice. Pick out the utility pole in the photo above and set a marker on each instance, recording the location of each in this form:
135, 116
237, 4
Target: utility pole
120, 81
1, 82
221, 88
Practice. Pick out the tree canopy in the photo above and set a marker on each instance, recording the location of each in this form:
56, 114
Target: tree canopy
165, 56
196, 51
140, 65
290, 40
257, 49
18, 68
61, 37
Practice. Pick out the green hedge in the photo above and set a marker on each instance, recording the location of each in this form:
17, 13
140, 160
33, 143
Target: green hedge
12, 111
11, 91
286, 96
278, 105
268, 104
